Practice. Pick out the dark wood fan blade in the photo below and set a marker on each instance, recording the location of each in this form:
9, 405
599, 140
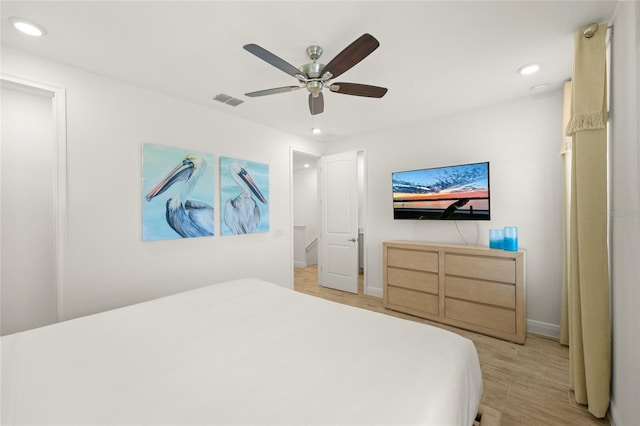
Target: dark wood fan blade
358, 89
272, 91
272, 59
351, 55
316, 104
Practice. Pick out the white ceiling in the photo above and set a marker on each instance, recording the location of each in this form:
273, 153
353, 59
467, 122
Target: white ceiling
435, 57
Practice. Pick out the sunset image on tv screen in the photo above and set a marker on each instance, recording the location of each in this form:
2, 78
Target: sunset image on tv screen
458, 192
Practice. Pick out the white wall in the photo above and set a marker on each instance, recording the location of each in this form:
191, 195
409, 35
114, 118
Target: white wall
28, 271
108, 264
625, 215
305, 201
521, 139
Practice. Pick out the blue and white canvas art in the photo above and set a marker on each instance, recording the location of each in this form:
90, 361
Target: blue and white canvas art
244, 195
177, 193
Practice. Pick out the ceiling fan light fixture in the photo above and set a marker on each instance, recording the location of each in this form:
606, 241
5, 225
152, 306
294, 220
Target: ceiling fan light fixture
529, 69
314, 87
27, 27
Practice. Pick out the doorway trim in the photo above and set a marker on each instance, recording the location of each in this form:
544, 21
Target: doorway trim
59, 114
362, 222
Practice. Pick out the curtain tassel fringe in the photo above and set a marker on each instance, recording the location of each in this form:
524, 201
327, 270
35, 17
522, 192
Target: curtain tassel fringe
586, 121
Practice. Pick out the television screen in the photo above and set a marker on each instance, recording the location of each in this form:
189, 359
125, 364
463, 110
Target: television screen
459, 192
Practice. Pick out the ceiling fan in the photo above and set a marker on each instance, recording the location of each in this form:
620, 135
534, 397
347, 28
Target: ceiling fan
315, 76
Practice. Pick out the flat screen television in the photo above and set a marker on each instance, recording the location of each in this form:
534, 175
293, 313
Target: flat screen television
459, 192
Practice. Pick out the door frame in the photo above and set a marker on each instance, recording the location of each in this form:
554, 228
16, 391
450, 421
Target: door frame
362, 220
293, 150
59, 115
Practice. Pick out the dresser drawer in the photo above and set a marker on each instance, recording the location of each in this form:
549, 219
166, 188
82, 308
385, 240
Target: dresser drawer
414, 280
416, 300
489, 292
413, 259
483, 315
484, 268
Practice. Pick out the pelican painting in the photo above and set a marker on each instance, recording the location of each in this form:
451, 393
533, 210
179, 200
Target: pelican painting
244, 187
178, 203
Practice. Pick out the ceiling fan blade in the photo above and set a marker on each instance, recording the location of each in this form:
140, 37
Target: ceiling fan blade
316, 104
351, 55
272, 91
272, 59
358, 89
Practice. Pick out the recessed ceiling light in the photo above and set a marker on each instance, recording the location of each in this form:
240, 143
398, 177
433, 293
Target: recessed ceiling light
307, 165
28, 27
315, 131
529, 69
539, 86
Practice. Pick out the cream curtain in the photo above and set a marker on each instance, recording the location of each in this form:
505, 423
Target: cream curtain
586, 305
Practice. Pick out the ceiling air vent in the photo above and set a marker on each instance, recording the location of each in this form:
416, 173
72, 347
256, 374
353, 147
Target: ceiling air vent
226, 99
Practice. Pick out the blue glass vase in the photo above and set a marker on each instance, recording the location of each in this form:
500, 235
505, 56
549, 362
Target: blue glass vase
496, 237
510, 238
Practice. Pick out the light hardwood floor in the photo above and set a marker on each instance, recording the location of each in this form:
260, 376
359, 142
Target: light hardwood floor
527, 383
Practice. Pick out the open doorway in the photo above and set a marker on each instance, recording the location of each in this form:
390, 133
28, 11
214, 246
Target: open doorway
306, 219
33, 204
305, 209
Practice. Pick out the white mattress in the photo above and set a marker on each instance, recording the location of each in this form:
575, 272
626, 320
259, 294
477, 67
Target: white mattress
241, 352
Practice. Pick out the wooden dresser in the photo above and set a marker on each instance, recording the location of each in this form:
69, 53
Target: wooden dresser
470, 287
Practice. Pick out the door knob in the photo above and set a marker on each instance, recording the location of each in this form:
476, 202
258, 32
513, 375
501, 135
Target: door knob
353, 240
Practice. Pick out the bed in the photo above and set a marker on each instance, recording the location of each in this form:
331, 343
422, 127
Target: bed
244, 352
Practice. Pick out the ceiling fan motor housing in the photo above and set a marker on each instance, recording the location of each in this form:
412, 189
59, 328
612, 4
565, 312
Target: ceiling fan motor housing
313, 83
312, 70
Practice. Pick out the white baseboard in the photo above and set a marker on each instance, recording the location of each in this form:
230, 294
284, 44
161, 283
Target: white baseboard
613, 417
299, 263
543, 328
375, 292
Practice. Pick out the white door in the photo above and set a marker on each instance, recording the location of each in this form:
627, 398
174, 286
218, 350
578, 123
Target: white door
338, 193
28, 261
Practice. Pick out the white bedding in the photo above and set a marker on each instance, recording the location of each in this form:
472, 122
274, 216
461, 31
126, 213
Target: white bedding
241, 352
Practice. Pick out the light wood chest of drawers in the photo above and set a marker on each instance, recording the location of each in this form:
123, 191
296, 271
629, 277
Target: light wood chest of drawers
470, 287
